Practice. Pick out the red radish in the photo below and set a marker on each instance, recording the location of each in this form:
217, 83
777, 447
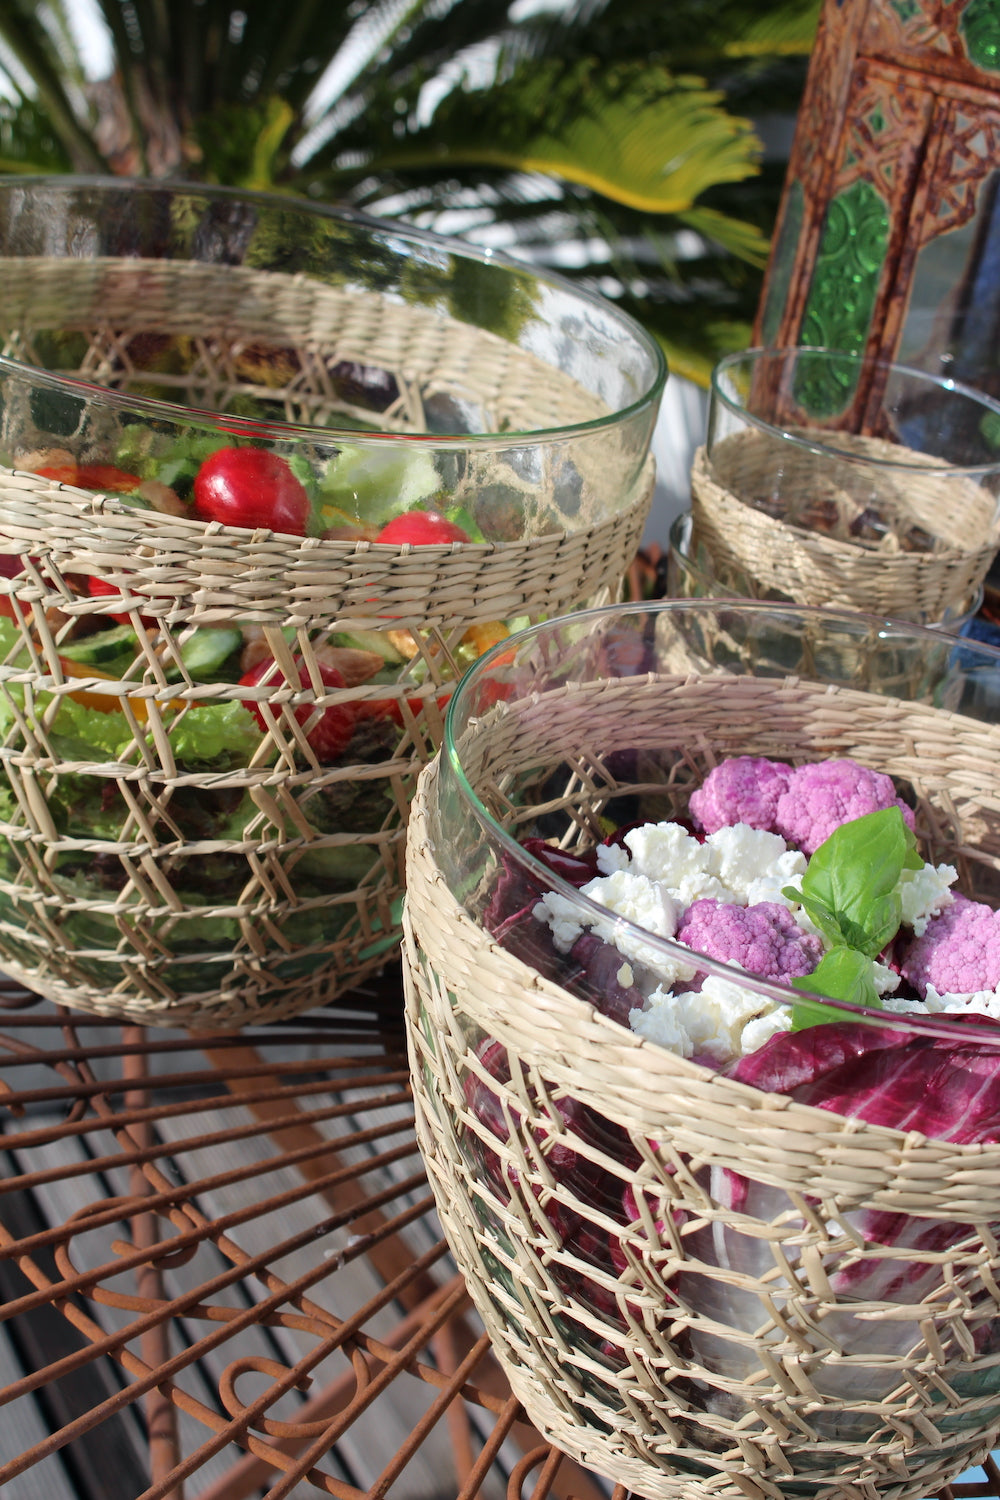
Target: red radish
10, 565
251, 487
391, 708
421, 528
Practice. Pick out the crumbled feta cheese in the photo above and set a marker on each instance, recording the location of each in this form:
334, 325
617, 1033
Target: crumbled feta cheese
982, 1003
668, 854
898, 1006
660, 1024
760, 1030
562, 914
660, 869
612, 857
740, 865
753, 864
710, 1022
885, 979
924, 893
647, 904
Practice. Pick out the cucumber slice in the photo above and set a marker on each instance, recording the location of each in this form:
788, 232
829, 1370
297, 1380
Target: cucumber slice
103, 646
369, 640
204, 652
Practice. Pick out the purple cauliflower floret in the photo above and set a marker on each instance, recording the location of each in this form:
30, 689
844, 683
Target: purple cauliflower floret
959, 952
823, 795
763, 939
744, 789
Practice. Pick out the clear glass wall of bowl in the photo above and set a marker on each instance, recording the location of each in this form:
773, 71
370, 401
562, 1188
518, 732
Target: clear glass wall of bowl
832, 478
297, 314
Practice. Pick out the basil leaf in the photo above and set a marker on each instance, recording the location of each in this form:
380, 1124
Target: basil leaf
852, 879
841, 974
821, 916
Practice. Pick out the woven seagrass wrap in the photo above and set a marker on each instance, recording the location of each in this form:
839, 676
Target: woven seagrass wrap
263, 334
756, 1343
150, 919
803, 564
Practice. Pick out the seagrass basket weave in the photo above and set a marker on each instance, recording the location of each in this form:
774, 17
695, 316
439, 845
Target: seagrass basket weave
796, 1302
175, 848
809, 566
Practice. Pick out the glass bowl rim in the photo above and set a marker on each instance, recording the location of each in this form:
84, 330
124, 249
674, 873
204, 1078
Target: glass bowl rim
449, 764
830, 450
409, 234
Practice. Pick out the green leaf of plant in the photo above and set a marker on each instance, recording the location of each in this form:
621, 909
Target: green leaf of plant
842, 974
778, 30
25, 33
735, 235
636, 134
819, 913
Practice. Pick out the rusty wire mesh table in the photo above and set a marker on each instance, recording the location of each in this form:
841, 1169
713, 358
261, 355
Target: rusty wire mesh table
222, 1275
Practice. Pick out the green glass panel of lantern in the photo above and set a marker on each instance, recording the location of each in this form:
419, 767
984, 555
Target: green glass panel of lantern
979, 28
842, 294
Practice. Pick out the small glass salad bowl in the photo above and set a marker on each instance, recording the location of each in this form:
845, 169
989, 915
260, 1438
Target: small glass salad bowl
284, 474
702, 961
835, 478
694, 573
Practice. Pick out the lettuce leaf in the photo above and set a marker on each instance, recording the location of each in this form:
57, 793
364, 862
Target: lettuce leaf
216, 734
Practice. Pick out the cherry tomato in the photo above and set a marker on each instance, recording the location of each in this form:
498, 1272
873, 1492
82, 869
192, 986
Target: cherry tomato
10, 566
494, 689
421, 528
251, 487
391, 708
330, 736
99, 588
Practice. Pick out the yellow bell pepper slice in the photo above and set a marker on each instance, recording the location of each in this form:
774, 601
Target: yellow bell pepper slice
108, 703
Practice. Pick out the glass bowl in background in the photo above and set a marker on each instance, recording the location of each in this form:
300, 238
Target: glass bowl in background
219, 676
693, 573
835, 478
659, 1226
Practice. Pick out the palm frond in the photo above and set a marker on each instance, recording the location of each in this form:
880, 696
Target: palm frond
737, 236
28, 38
28, 144
634, 134
610, 138
787, 29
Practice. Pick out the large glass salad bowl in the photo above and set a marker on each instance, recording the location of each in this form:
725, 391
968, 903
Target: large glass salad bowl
271, 476
702, 957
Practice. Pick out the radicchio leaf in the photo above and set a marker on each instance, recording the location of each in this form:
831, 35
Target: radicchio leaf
948, 1090
595, 975
515, 889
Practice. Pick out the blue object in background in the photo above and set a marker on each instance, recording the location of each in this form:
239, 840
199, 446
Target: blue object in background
978, 629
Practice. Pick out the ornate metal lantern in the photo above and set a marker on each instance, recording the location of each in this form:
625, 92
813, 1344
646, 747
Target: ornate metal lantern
888, 236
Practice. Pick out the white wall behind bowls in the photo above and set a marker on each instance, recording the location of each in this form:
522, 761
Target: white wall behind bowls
680, 429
